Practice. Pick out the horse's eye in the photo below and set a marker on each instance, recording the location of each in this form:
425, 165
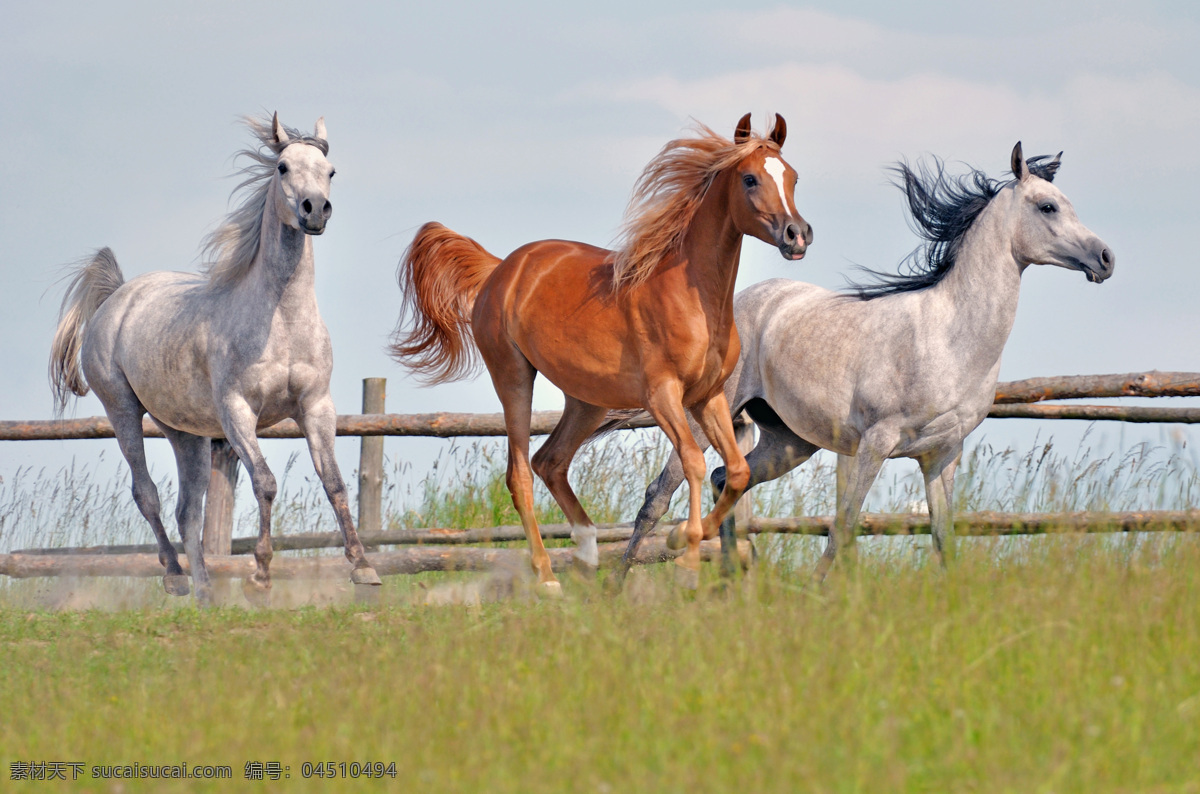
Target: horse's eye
1047, 208
331, 173
749, 180
282, 168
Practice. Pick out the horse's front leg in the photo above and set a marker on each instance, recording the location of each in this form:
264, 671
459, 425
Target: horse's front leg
938, 471
318, 422
665, 404
855, 476
240, 423
716, 422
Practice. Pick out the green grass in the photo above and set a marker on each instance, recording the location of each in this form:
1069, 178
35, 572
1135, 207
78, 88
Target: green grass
1055, 663
1076, 669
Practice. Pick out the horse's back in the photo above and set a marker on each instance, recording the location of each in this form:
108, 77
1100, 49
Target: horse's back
150, 336
833, 365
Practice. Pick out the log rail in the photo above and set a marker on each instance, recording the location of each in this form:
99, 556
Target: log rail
1013, 400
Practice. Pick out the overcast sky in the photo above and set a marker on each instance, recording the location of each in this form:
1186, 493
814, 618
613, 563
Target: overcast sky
520, 121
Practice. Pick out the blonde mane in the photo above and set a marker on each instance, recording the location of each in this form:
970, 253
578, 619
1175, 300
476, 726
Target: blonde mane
230, 249
666, 197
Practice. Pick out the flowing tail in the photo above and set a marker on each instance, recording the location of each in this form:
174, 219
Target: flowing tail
93, 281
440, 274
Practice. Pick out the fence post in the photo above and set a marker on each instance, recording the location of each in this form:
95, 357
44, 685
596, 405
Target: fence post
218, 503
370, 464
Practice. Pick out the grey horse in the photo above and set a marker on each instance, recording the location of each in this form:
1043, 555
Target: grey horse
218, 355
905, 366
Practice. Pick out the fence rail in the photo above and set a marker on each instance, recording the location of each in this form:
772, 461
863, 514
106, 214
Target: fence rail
446, 549
1009, 396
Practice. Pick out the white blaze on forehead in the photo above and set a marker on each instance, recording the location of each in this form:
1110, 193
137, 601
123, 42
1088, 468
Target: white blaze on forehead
775, 167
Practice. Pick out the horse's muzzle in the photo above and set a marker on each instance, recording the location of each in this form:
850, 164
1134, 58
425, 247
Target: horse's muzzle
312, 219
796, 238
1101, 268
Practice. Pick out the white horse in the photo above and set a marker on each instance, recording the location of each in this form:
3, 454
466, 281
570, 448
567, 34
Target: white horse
905, 367
218, 355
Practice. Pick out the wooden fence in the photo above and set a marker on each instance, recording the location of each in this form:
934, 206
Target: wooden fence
439, 549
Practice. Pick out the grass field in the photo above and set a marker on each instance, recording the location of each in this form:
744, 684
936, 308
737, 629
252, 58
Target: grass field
1075, 669
1050, 664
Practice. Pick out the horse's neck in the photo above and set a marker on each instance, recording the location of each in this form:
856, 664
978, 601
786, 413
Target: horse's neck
283, 272
712, 248
982, 289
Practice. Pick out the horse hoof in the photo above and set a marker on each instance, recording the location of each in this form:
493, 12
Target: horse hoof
258, 594
176, 584
204, 597
677, 538
687, 578
367, 594
583, 568
614, 583
365, 576
549, 589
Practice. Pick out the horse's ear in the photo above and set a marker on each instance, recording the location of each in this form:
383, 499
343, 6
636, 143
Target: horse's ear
1019, 168
1051, 168
281, 137
319, 130
741, 133
779, 131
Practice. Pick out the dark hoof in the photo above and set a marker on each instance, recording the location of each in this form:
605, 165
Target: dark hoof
176, 584
614, 583
257, 593
584, 569
204, 597
365, 576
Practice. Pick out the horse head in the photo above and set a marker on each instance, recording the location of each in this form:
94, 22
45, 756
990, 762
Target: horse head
302, 178
1048, 232
762, 191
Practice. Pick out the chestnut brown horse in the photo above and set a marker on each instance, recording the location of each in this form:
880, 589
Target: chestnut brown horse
648, 325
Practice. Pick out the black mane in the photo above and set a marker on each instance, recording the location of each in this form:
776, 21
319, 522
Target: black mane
942, 209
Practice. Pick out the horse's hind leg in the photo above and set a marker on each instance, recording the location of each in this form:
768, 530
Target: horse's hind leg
126, 418
513, 378
193, 455
319, 423
658, 499
777, 452
552, 462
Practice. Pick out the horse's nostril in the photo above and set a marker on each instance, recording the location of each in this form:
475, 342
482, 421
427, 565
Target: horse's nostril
1106, 257
307, 205
327, 210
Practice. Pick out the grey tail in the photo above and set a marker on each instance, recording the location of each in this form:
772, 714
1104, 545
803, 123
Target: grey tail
93, 279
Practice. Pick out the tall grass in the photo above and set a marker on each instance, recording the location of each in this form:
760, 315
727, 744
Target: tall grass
1074, 669
465, 487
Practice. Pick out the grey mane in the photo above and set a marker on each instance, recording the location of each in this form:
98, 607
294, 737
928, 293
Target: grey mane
230, 249
942, 209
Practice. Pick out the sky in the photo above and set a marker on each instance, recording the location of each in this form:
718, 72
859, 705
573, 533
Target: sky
522, 121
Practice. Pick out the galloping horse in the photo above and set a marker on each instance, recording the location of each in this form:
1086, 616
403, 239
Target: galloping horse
218, 355
649, 325
903, 367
